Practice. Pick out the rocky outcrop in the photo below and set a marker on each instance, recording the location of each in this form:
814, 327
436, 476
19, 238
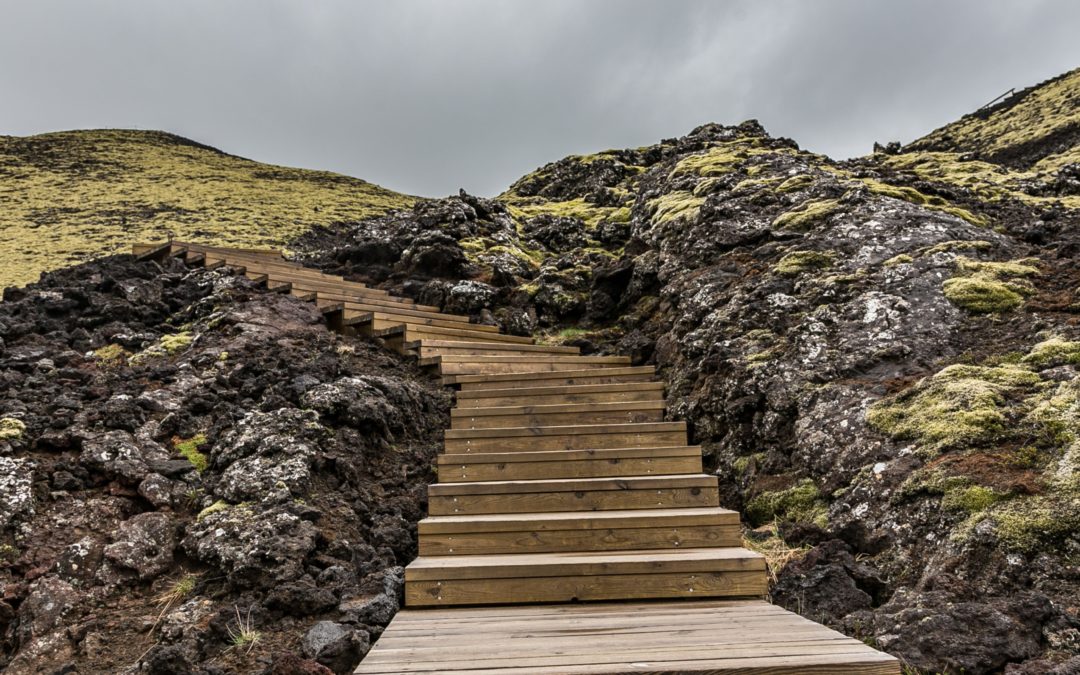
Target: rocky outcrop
199, 477
880, 358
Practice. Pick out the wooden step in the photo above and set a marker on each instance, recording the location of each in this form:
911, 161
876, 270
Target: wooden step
383, 303
361, 306
589, 393
557, 415
333, 290
609, 462
565, 531
555, 379
484, 365
400, 335
429, 348
573, 494
381, 321
566, 577
586, 437
702, 637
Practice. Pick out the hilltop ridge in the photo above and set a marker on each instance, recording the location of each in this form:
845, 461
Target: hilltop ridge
70, 196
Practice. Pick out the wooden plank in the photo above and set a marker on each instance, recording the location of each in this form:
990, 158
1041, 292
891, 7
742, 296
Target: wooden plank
614, 539
531, 535
702, 480
564, 378
384, 320
570, 455
598, 393
402, 311
583, 588
601, 520
706, 636
413, 332
334, 290
582, 500
427, 348
617, 463
616, 415
582, 564
557, 415
587, 437
386, 303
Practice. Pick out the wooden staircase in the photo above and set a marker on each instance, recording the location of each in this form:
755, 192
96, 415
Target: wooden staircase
561, 482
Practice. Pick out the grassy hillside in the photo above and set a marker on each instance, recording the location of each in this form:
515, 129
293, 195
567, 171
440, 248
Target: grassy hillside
1036, 128
70, 196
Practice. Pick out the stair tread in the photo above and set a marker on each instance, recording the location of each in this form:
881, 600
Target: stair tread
561, 375
577, 519
588, 563
568, 455
610, 387
556, 408
543, 485
567, 430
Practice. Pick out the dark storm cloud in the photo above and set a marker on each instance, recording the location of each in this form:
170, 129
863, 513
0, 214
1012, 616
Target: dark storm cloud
428, 96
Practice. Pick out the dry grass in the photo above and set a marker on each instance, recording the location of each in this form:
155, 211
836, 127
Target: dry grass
777, 552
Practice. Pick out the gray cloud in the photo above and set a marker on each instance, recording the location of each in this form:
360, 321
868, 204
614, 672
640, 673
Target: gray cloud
425, 96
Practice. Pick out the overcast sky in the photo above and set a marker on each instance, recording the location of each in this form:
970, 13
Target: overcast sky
426, 96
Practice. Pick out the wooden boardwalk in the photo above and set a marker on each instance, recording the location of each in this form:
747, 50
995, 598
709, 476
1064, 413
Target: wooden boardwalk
561, 482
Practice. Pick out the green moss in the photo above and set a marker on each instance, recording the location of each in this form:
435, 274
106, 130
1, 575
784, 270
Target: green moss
960, 406
1052, 353
901, 259
216, 507
111, 355
675, 206
529, 256
620, 215
715, 161
1036, 524
189, 450
175, 342
989, 287
799, 503
971, 499
11, 429
473, 245
802, 217
797, 262
794, 183
982, 296
592, 215
223, 357
743, 464
913, 196
957, 245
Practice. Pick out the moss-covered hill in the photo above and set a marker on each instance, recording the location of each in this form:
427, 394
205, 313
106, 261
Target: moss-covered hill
70, 196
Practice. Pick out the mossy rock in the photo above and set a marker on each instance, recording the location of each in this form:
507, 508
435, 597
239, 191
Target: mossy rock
797, 262
961, 406
800, 503
804, 216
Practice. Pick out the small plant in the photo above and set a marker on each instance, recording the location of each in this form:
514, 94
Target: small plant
189, 450
219, 505
772, 546
11, 429
111, 355
243, 636
178, 591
